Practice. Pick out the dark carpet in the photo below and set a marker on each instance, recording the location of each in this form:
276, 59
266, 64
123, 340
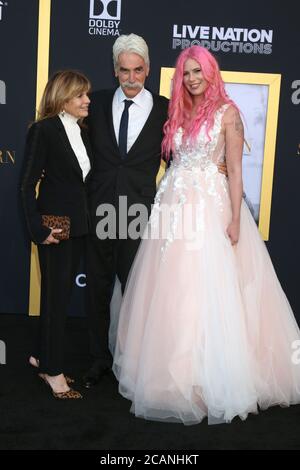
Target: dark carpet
30, 418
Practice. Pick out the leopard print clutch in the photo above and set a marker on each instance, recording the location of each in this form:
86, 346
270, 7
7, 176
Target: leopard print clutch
58, 221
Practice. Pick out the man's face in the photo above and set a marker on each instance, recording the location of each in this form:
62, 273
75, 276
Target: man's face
131, 72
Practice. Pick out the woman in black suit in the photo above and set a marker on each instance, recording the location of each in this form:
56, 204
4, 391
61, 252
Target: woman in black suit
57, 153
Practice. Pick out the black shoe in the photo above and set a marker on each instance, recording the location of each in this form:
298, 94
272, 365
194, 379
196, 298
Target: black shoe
92, 378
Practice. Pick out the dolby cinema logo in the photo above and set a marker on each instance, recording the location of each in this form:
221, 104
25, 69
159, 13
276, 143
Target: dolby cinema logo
104, 17
2, 92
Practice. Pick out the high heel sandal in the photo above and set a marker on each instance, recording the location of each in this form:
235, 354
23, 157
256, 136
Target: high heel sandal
68, 379
69, 394
35, 363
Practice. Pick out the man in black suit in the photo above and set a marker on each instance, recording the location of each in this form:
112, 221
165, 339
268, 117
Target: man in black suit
126, 130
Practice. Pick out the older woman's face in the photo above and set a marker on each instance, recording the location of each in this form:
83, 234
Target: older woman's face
78, 106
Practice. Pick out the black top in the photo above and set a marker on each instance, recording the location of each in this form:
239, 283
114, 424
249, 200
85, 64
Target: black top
62, 190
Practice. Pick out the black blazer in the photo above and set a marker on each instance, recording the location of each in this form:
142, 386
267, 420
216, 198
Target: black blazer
62, 190
134, 176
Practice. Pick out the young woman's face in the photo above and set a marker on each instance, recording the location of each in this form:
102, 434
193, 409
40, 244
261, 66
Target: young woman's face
193, 79
78, 106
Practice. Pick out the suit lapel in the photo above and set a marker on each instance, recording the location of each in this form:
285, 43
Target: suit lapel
110, 121
67, 145
86, 141
147, 127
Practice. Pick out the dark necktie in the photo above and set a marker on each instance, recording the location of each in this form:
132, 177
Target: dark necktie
124, 128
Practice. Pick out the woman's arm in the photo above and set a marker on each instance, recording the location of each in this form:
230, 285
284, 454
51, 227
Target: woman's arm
35, 158
234, 141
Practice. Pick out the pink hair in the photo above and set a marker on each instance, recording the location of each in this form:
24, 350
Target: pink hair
181, 103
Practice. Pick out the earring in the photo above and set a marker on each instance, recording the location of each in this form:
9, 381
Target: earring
63, 113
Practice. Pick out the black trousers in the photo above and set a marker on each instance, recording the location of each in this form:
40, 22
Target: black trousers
105, 259
58, 265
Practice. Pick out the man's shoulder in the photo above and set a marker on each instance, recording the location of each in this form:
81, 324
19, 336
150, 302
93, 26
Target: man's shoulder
159, 98
102, 96
160, 102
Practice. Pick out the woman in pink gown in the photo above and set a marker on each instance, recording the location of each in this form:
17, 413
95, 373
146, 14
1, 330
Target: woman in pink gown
205, 328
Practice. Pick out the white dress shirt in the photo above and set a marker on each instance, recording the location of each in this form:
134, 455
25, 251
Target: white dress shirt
138, 113
74, 135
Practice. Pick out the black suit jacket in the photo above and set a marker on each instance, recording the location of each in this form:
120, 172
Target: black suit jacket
134, 176
62, 190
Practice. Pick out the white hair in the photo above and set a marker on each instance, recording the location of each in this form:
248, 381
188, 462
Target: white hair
130, 43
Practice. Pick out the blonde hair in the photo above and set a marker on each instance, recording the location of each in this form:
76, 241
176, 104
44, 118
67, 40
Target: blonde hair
61, 87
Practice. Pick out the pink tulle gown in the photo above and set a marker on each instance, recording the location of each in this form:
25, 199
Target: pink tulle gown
205, 328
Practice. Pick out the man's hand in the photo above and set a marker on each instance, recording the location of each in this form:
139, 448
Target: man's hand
222, 168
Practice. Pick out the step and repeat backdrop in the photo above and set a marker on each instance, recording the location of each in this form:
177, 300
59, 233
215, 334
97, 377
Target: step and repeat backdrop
258, 51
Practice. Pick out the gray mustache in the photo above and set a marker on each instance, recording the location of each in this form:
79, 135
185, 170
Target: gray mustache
132, 85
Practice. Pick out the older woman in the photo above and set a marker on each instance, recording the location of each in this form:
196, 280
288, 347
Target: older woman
57, 147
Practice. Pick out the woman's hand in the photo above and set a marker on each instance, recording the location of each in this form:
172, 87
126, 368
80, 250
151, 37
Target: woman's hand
51, 239
233, 232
